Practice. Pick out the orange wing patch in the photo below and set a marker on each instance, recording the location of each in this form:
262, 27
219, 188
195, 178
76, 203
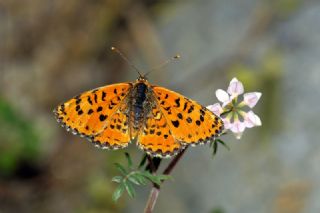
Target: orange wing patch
155, 137
116, 132
189, 122
87, 114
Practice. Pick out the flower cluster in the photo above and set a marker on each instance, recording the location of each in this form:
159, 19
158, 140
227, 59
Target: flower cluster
235, 110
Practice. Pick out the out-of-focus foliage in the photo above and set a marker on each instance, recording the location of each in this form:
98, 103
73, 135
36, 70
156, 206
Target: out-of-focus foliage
19, 140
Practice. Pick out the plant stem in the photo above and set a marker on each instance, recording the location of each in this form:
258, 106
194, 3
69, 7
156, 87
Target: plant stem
153, 196
154, 193
173, 163
151, 164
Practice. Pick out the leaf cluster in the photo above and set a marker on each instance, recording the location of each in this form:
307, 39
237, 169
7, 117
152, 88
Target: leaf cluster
129, 177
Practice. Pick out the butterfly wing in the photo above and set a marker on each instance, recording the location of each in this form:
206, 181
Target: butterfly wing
155, 136
116, 133
92, 114
190, 123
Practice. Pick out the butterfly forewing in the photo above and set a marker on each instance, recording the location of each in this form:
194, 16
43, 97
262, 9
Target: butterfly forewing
190, 123
88, 113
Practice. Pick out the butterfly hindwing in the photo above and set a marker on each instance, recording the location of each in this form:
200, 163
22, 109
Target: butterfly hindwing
116, 132
88, 113
155, 136
189, 122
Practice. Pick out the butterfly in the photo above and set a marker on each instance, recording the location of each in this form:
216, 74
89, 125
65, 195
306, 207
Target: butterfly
161, 121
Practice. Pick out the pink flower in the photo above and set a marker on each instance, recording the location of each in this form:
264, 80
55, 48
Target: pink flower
235, 109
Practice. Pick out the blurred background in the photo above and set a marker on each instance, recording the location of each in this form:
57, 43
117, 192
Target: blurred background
53, 50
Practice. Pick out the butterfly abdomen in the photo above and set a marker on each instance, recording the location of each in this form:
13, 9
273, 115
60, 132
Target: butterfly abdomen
138, 102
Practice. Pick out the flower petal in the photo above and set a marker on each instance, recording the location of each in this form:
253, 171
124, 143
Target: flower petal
235, 87
238, 127
226, 123
257, 120
251, 98
222, 95
252, 120
215, 108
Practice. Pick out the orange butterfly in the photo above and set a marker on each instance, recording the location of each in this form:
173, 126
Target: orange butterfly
161, 121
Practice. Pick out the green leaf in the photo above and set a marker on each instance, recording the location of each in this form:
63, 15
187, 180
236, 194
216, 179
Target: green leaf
118, 192
215, 147
117, 179
164, 177
121, 169
137, 179
128, 159
146, 174
223, 144
140, 178
133, 180
130, 189
143, 161
153, 178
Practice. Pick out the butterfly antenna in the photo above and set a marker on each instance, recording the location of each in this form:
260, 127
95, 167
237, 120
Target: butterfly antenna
176, 57
127, 60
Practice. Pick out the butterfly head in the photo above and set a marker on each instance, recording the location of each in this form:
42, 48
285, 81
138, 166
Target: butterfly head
142, 78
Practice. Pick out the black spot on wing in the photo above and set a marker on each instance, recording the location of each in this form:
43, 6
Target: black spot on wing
166, 108
78, 100
177, 102
191, 109
185, 106
99, 109
102, 117
95, 98
103, 96
175, 123
189, 120
89, 100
